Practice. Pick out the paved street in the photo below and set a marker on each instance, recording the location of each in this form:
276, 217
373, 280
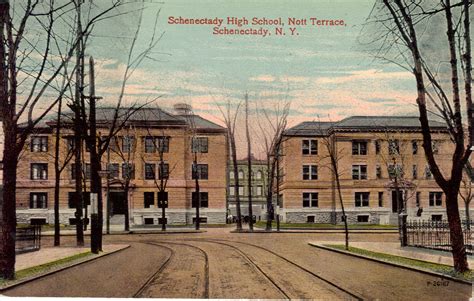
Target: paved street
219, 264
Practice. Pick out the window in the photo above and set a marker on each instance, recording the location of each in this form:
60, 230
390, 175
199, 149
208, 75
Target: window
259, 175
241, 174
231, 175
204, 198
361, 199
148, 221
39, 171
162, 199
202, 220
160, 221
113, 169
232, 190
310, 172
310, 219
309, 147
310, 199
150, 145
128, 144
163, 170
418, 199
70, 143
414, 147
148, 199
377, 147
37, 221
86, 171
162, 144
436, 199
395, 170
200, 171
378, 171
435, 144
362, 218
128, 171
150, 171
428, 174
259, 190
414, 172
241, 190
359, 172
199, 145
38, 200
393, 147
359, 147
380, 198
39, 144
114, 144
72, 202
437, 217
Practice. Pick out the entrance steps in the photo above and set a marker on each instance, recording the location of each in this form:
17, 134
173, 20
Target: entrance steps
117, 219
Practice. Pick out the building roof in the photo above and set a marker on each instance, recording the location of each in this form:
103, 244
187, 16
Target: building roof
140, 116
200, 122
362, 123
310, 128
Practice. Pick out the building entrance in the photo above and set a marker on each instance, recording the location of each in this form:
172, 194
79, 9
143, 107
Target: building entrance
117, 202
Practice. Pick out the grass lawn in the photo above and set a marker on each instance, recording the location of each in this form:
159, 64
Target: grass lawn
435, 267
45, 267
262, 224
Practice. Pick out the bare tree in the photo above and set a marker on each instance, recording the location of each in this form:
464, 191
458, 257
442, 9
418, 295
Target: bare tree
16, 52
402, 26
272, 124
230, 120
335, 155
249, 161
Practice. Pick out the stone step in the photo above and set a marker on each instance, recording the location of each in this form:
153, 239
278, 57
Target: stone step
117, 219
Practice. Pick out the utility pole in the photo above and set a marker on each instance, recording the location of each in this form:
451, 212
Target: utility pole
96, 241
78, 195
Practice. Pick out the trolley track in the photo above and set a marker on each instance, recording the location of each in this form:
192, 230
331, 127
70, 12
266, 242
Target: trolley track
157, 274
328, 282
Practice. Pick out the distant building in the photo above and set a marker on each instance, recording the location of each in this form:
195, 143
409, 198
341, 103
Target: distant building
375, 156
133, 155
259, 188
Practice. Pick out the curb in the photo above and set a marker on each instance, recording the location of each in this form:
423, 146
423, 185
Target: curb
130, 232
398, 265
316, 231
59, 269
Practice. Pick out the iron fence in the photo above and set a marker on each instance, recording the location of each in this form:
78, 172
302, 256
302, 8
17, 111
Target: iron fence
28, 239
436, 235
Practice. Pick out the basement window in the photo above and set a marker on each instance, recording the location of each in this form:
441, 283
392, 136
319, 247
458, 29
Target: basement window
310, 219
148, 221
38, 221
362, 218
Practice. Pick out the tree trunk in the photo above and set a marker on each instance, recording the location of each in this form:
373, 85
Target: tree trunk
468, 216
270, 211
127, 211
8, 205
455, 230
236, 182
249, 161
57, 175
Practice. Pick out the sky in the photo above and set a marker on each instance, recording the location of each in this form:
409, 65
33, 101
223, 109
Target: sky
323, 70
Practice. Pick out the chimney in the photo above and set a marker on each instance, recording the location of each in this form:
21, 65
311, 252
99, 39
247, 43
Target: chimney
183, 109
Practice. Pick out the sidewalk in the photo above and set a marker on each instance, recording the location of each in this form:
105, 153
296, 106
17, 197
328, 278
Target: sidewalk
119, 229
50, 254
433, 256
